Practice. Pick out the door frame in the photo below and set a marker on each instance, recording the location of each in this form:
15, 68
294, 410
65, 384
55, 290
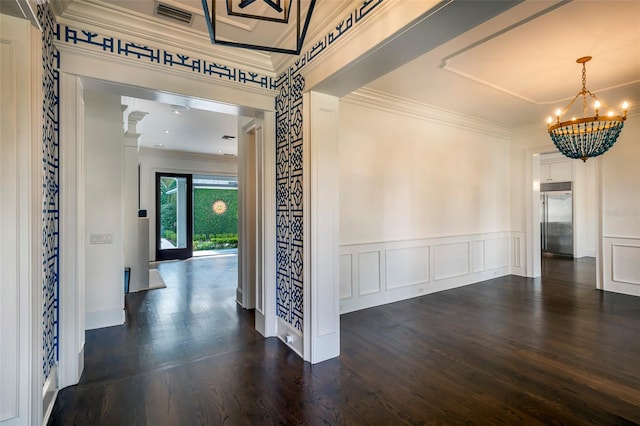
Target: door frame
176, 253
532, 214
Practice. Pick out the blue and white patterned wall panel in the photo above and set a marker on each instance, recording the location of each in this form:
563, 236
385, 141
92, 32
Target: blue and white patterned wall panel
50, 191
158, 56
289, 206
289, 168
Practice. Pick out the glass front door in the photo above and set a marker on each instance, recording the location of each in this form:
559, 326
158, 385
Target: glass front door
174, 223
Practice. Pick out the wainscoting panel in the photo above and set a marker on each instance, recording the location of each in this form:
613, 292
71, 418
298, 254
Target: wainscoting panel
497, 252
626, 267
451, 260
621, 265
373, 274
369, 278
517, 250
477, 256
346, 276
407, 266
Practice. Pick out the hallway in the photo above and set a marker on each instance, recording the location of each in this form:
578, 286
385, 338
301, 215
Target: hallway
509, 350
195, 316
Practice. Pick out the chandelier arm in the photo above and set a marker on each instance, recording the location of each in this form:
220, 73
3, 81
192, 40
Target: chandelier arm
568, 107
602, 103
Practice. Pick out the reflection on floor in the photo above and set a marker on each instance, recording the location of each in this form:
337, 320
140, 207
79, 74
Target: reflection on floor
510, 350
574, 271
193, 317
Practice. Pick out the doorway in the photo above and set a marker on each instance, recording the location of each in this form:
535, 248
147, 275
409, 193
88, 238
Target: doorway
215, 215
257, 104
548, 172
174, 216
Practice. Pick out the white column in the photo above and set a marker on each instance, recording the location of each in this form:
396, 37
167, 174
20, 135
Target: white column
139, 276
265, 316
21, 382
72, 235
247, 214
321, 234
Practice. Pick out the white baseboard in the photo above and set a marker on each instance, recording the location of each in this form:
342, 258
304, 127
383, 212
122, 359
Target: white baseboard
239, 296
104, 318
49, 394
80, 362
297, 343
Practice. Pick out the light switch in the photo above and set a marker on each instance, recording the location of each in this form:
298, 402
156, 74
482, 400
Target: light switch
101, 239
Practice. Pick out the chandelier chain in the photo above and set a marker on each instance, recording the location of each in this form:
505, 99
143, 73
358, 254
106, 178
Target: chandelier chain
584, 88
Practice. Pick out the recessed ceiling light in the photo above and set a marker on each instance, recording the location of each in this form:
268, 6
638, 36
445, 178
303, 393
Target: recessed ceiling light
179, 109
166, 131
159, 145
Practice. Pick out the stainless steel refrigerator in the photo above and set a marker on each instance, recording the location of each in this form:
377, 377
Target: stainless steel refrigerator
556, 219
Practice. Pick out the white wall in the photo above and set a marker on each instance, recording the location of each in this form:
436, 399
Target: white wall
621, 211
158, 160
103, 194
424, 204
584, 193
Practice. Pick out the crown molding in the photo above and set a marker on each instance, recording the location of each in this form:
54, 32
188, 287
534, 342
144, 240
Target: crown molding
59, 6
406, 107
95, 15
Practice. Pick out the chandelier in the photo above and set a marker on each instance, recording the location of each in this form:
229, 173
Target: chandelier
589, 136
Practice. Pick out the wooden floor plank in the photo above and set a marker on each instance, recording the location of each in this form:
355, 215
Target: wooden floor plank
506, 351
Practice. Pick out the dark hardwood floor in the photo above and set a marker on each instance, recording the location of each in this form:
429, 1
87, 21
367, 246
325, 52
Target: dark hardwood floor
506, 351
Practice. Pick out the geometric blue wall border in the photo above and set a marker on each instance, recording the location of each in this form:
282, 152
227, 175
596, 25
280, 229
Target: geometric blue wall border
127, 49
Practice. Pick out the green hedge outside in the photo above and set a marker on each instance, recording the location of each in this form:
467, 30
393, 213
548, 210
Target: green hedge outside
205, 221
224, 241
211, 230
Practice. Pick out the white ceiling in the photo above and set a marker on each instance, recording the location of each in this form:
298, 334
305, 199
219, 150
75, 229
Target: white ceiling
513, 70
518, 67
180, 128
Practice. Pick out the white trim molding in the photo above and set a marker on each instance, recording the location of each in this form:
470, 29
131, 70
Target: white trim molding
104, 318
373, 274
621, 269
409, 108
518, 253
